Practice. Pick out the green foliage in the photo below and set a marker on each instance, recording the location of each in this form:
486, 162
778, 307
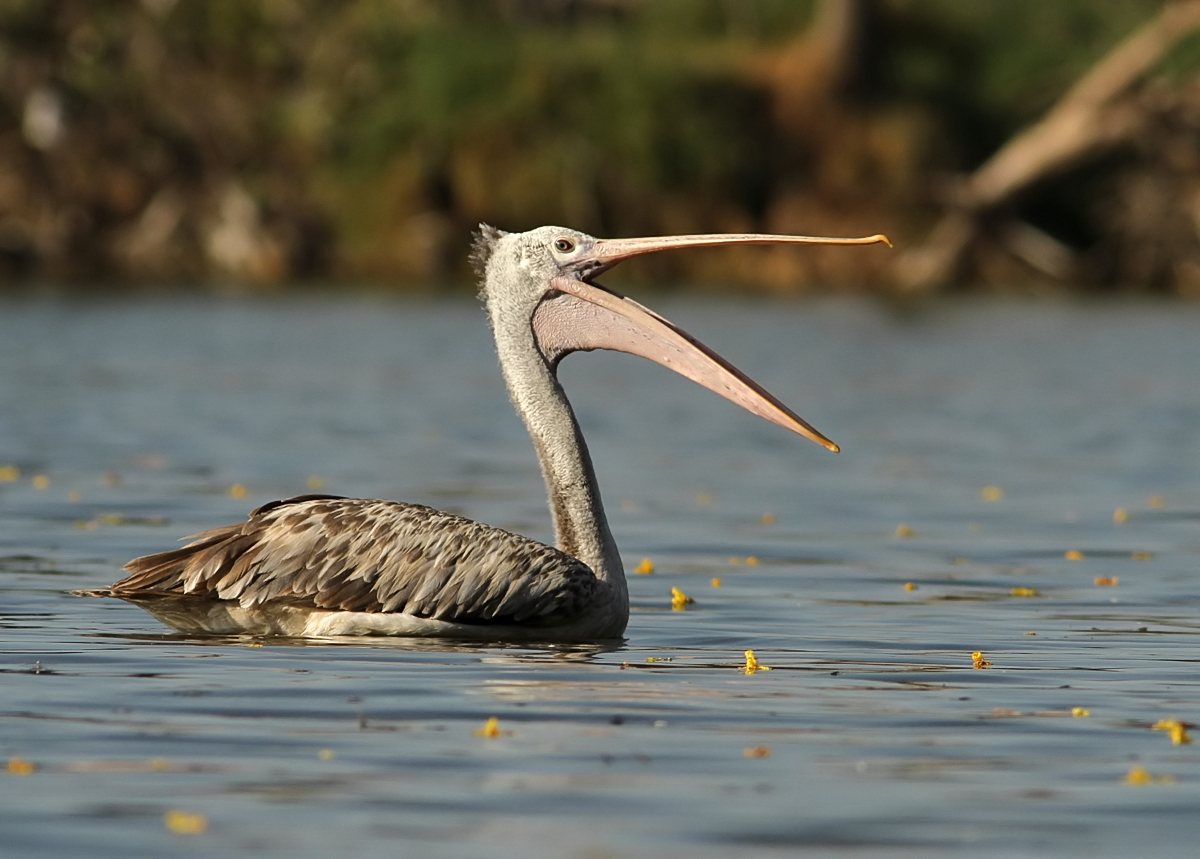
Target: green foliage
611, 115
1030, 51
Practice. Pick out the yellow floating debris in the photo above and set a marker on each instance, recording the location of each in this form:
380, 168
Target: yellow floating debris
1111, 581
752, 664
74, 496
1080, 712
237, 491
325, 755
977, 660
1176, 729
910, 586
1157, 501
1073, 555
716, 582
703, 499
757, 752
1141, 556
767, 519
183, 823
660, 658
41, 481
752, 561
645, 568
1024, 592
315, 483
1119, 515
20, 766
490, 729
679, 600
9, 473
904, 531
1140, 776
991, 493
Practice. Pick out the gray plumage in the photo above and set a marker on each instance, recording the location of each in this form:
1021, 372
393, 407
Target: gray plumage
371, 556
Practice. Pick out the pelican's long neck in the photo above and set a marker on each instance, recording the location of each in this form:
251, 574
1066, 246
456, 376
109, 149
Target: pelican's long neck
580, 526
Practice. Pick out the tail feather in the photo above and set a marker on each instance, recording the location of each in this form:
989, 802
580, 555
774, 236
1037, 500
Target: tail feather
168, 572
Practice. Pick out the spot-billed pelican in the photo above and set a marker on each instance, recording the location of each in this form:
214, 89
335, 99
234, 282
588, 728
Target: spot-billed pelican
321, 565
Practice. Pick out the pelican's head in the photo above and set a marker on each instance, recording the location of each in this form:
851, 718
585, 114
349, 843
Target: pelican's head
515, 267
545, 279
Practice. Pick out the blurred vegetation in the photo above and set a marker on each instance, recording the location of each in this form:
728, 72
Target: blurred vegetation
267, 141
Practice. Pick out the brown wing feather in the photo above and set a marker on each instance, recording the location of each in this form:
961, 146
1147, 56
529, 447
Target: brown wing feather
373, 556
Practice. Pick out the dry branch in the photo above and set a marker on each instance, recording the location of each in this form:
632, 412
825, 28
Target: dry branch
1095, 116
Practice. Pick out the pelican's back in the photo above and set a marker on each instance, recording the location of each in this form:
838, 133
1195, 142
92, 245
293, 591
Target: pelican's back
355, 555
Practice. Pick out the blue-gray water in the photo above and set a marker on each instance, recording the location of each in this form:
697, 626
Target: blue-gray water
882, 738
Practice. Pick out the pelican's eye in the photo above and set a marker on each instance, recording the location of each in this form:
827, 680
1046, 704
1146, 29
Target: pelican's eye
564, 245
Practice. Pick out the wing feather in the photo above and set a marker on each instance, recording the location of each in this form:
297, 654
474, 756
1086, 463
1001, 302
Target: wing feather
371, 556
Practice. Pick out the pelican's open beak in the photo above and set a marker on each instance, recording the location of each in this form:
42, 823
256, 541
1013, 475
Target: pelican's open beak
582, 316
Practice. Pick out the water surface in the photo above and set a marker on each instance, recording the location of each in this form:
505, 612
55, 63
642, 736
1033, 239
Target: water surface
987, 447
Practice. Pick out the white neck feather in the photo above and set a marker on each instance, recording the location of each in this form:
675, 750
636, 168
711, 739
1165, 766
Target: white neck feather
580, 526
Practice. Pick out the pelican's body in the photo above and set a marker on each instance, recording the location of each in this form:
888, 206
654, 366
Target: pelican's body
324, 566
320, 565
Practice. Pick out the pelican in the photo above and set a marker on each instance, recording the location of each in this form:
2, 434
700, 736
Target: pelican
323, 565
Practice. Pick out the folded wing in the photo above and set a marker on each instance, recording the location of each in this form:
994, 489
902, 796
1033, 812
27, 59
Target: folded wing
371, 556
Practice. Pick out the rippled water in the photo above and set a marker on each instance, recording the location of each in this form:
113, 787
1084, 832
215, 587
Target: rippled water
130, 422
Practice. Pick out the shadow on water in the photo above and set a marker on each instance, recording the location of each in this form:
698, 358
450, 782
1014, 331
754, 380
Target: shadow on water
532, 652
